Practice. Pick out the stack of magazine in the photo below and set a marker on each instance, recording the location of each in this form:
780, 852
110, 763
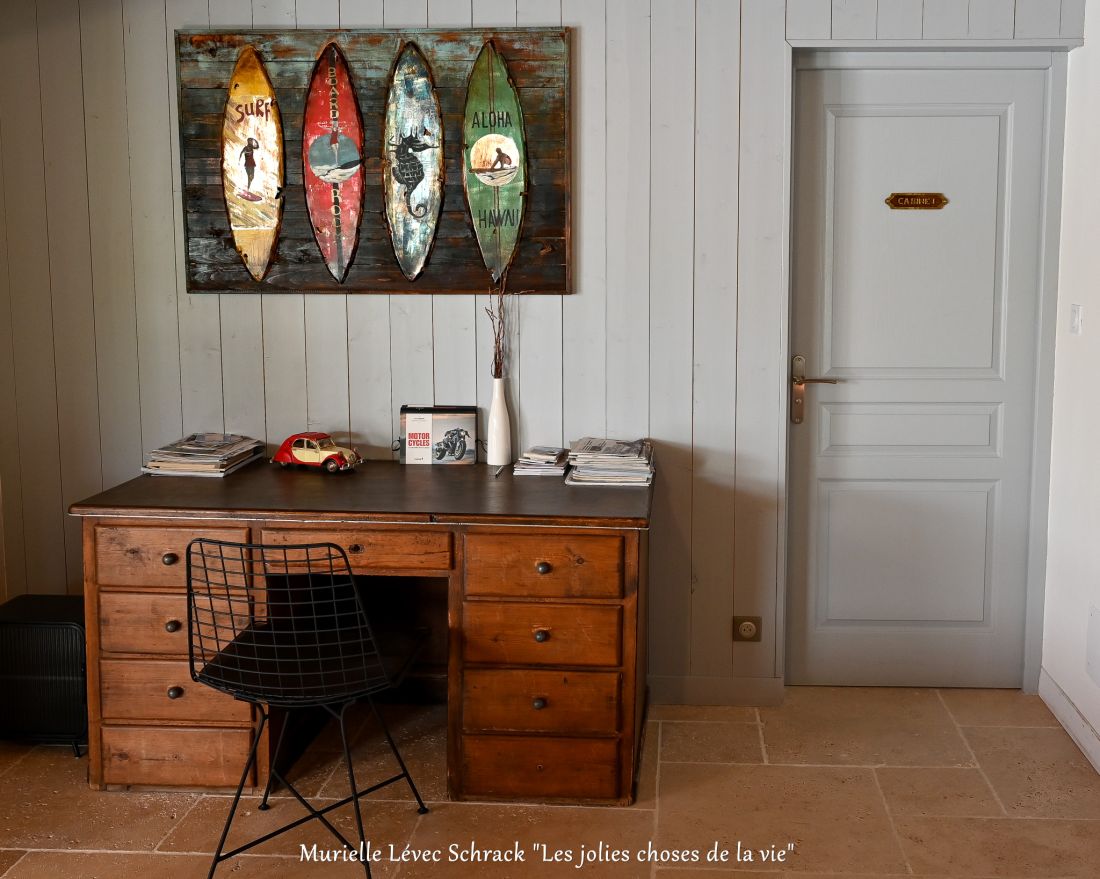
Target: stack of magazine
203, 454
542, 461
601, 461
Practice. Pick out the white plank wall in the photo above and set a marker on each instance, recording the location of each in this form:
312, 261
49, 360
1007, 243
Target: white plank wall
680, 116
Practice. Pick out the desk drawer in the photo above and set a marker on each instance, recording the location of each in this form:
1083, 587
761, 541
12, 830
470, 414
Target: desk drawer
131, 622
541, 701
544, 565
542, 767
174, 756
375, 549
149, 556
541, 634
133, 689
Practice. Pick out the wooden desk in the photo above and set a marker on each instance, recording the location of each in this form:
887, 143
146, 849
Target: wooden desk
546, 589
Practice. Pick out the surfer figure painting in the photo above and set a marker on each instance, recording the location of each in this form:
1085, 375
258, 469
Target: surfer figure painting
248, 155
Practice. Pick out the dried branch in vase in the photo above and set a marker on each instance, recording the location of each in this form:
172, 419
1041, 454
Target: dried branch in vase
497, 318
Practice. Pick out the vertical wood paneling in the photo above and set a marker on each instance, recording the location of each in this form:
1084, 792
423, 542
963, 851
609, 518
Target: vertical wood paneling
368, 321
945, 20
717, 65
900, 19
584, 314
328, 404
453, 317
761, 312
992, 19
108, 149
809, 19
11, 476
29, 301
539, 318
151, 200
66, 195
671, 261
854, 19
1073, 19
628, 162
1038, 18
199, 316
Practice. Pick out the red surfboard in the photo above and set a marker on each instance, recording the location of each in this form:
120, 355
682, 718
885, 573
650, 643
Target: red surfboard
332, 160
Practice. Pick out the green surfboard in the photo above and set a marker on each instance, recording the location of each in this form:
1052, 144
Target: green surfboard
494, 160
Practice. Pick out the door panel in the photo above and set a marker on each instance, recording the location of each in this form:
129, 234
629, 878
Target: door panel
909, 477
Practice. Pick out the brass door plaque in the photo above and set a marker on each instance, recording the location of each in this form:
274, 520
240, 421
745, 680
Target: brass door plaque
917, 201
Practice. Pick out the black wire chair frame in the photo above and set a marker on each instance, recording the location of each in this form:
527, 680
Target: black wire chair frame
284, 626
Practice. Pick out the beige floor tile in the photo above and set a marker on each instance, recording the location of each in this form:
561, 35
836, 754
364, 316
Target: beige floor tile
1001, 847
11, 753
9, 857
834, 815
646, 791
98, 865
727, 713
997, 708
857, 726
1037, 773
384, 823
558, 828
937, 792
45, 802
714, 742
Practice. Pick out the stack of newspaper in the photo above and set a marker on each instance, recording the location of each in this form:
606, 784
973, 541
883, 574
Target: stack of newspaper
542, 461
601, 461
203, 454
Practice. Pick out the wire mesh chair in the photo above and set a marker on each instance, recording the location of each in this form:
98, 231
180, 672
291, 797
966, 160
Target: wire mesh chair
284, 626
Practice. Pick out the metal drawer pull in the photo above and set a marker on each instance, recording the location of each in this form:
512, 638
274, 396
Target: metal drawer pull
169, 558
538, 703
544, 567
355, 548
542, 635
175, 692
173, 626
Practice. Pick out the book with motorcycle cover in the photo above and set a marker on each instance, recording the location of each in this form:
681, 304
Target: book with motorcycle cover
438, 434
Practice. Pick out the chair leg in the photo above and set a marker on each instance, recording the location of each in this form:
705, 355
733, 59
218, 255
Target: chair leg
237, 796
351, 781
404, 770
263, 807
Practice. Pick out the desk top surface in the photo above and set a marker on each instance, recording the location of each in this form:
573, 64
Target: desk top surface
377, 491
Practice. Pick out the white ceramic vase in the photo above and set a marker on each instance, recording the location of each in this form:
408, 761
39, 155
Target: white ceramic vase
499, 441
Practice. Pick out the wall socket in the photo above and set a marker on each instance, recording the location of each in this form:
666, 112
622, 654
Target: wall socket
746, 628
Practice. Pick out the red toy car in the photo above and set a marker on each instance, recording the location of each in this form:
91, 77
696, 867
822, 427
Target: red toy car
316, 450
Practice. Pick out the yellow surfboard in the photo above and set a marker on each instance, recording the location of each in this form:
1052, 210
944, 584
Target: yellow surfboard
252, 163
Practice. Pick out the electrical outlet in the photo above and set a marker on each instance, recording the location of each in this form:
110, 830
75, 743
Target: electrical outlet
746, 628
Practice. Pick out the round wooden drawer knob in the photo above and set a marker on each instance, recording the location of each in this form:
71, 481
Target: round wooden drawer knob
355, 548
169, 558
538, 703
173, 626
175, 692
544, 567
542, 635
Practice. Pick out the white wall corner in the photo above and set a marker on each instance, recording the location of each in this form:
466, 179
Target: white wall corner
1067, 714
809, 19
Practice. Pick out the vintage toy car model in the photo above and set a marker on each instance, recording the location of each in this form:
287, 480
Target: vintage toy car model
316, 450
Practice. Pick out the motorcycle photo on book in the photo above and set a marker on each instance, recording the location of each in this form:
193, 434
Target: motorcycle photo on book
453, 444
438, 435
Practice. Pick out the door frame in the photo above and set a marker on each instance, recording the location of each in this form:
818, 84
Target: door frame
1054, 62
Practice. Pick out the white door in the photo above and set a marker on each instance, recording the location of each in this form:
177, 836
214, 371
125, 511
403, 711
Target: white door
910, 477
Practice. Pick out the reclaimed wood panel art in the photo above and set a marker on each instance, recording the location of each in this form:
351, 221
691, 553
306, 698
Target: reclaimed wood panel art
252, 164
413, 161
332, 161
538, 62
494, 160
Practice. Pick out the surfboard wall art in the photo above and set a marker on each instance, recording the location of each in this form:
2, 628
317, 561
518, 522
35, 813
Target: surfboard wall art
332, 161
413, 166
252, 162
494, 160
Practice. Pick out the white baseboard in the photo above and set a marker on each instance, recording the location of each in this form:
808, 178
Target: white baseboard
1062, 707
696, 690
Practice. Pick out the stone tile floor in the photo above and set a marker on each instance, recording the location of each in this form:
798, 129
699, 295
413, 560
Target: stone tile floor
863, 782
